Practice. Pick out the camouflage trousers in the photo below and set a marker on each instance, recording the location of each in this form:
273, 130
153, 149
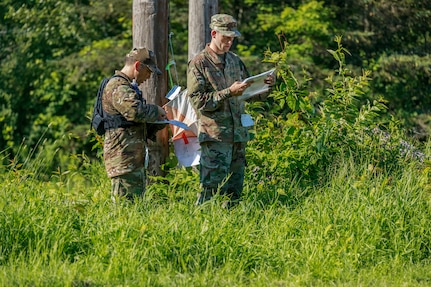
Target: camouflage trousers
129, 185
222, 167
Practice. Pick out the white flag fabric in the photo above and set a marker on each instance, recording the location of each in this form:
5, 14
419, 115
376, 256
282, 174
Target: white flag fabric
186, 145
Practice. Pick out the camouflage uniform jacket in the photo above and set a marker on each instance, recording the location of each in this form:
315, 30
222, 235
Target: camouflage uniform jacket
209, 77
124, 148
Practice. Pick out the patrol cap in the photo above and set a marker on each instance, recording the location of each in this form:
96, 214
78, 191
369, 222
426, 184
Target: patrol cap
225, 24
146, 57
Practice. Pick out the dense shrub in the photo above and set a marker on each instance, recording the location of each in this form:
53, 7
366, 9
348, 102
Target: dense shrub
307, 130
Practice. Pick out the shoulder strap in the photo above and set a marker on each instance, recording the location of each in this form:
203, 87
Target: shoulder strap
134, 87
119, 76
116, 121
97, 120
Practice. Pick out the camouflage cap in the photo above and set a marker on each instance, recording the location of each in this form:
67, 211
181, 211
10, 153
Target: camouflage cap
146, 57
225, 24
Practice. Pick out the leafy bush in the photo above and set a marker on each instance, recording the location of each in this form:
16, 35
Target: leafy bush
301, 133
406, 80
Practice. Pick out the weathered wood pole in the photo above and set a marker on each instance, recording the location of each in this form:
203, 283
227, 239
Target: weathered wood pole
200, 12
150, 30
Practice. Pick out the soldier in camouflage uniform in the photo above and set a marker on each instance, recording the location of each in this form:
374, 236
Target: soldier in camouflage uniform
125, 145
214, 80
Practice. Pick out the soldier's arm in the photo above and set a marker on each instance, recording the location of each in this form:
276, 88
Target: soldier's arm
201, 92
126, 101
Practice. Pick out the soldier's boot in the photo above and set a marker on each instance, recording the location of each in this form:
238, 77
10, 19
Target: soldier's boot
234, 200
204, 196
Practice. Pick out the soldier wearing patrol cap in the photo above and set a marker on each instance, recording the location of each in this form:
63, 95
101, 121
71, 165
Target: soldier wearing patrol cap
225, 24
146, 57
214, 81
125, 144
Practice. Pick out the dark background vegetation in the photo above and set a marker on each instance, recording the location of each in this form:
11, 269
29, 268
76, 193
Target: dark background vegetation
54, 53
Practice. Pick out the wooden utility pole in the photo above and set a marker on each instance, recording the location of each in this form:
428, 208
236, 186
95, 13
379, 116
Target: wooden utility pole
150, 30
200, 12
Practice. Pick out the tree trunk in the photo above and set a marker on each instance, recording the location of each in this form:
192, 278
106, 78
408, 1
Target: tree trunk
200, 12
150, 30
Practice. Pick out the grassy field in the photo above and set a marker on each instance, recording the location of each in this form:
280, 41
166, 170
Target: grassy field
360, 228
335, 202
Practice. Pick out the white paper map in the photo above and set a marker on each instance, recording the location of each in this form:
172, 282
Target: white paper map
258, 85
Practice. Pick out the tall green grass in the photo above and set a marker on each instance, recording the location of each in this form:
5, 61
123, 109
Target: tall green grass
360, 227
312, 213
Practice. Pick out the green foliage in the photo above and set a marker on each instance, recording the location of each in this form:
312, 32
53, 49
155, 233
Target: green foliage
54, 53
312, 130
333, 195
405, 80
372, 28
361, 227
302, 28
47, 78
